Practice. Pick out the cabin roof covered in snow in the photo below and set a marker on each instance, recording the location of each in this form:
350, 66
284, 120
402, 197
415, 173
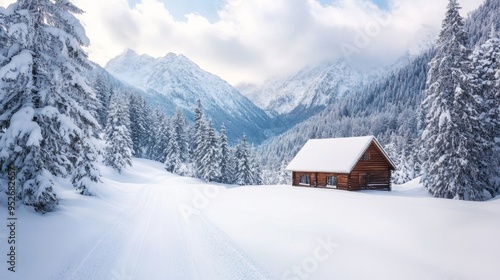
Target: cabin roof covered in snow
335, 155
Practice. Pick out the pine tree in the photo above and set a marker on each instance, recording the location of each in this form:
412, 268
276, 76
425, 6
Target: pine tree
256, 172
210, 160
486, 70
140, 124
103, 93
226, 158
243, 172
44, 101
159, 137
4, 39
199, 142
152, 133
119, 148
401, 151
284, 176
451, 141
173, 151
179, 124
86, 174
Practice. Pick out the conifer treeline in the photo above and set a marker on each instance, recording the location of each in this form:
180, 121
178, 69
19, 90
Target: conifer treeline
50, 118
198, 150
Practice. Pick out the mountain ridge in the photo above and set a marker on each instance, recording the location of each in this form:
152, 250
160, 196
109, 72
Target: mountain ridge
297, 97
175, 82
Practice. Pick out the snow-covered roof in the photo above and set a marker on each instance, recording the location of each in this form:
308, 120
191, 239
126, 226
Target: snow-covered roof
336, 155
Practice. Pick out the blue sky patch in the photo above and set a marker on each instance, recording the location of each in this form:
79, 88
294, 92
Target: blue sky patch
209, 8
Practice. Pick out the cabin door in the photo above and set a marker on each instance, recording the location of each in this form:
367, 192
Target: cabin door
362, 180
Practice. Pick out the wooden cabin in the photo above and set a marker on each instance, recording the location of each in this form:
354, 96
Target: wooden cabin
353, 163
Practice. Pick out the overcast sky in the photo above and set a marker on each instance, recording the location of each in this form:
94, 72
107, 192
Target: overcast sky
251, 40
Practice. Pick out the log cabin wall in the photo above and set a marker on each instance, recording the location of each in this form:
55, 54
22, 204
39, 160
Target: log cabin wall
295, 178
371, 172
319, 179
370, 180
342, 180
313, 177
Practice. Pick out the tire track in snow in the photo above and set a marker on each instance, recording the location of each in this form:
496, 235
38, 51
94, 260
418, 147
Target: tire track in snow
214, 254
135, 243
161, 253
151, 240
97, 263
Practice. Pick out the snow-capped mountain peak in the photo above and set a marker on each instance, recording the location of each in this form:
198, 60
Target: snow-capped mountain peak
308, 91
175, 82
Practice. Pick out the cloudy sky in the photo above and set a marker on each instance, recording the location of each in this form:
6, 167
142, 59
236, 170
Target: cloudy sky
251, 40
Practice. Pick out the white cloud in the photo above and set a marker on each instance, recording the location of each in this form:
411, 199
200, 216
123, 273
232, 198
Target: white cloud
255, 39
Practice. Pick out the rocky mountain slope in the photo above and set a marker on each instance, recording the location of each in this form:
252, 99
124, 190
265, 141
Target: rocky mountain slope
299, 96
175, 82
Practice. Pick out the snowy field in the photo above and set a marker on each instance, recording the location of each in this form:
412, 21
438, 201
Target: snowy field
150, 224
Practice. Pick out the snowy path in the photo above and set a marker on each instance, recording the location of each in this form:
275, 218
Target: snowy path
153, 240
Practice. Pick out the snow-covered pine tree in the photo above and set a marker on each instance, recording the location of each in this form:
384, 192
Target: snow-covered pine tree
210, 161
284, 177
401, 150
87, 175
140, 124
486, 75
173, 151
496, 175
256, 171
180, 125
4, 40
119, 148
103, 93
199, 141
451, 142
243, 172
159, 136
405, 171
152, 134
226, 158
44, 100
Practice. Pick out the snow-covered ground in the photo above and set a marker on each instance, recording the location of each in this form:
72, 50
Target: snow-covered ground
149, 224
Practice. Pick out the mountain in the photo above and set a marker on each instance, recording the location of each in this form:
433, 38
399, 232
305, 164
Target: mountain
299, 96
175, 82
386, 107
104, 85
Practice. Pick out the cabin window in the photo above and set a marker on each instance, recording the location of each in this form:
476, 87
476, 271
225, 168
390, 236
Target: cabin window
366, 156
331, 181
305, 179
